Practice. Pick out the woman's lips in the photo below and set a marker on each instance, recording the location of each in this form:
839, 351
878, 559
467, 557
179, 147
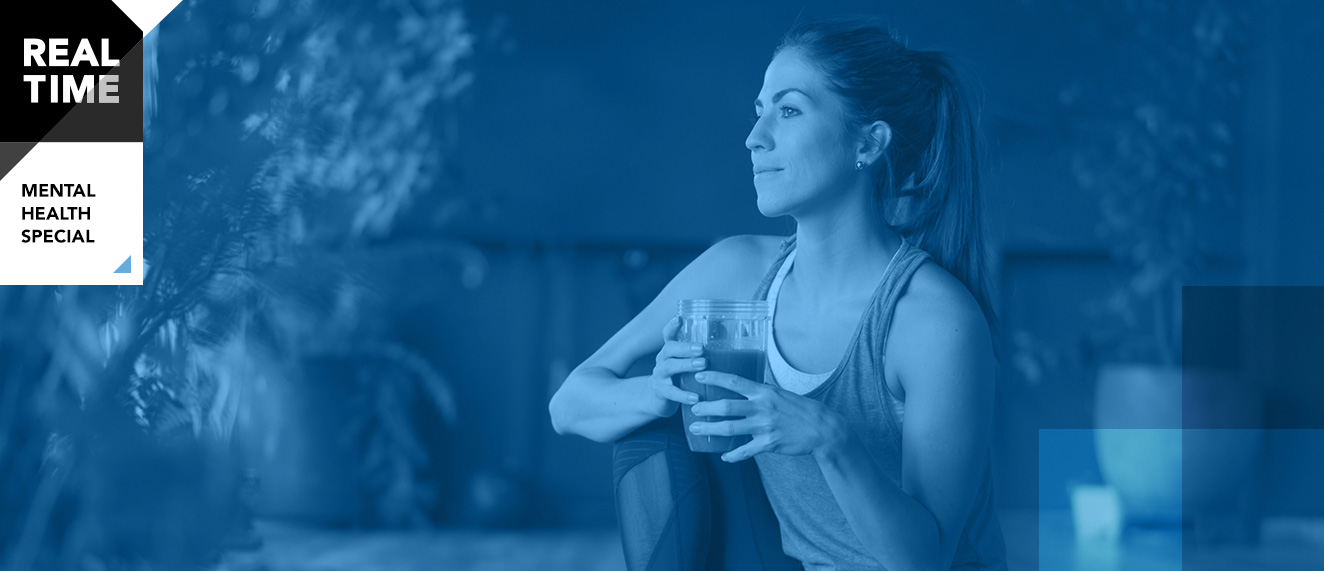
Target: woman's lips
766, 171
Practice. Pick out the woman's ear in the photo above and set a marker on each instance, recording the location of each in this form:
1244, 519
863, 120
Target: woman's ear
877, 136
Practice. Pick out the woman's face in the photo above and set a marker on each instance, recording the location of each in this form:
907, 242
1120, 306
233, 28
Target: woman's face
799, 145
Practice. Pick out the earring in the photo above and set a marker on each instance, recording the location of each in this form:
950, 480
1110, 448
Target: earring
859, 165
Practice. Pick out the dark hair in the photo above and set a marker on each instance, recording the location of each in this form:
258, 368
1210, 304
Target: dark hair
919, 94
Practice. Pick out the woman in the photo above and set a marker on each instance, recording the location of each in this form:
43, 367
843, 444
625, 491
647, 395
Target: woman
871, 431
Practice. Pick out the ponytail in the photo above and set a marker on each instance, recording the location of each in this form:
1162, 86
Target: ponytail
945, 210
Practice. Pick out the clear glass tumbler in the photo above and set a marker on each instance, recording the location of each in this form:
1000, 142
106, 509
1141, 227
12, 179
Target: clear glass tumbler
734, 335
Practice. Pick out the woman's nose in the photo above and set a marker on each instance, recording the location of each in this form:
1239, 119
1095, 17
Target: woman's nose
758, 137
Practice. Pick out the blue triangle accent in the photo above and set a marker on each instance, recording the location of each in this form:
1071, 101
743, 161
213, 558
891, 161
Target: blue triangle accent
124, 268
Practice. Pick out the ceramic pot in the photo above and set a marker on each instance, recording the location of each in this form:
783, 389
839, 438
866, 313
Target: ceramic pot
1173, 444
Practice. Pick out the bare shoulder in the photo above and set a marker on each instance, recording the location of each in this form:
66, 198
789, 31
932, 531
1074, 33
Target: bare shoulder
752, 248
935, 292
732, 268
936, 314
736, 264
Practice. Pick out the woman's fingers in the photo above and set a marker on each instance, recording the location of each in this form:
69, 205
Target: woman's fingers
675, 358
679, 349
663, 387
668, 368
671, 367
732, 382
728, 427
751, 449
669, 330
725, 407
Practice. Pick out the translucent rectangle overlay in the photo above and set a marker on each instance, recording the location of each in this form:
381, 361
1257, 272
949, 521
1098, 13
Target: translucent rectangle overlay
1180, 499
1252, 357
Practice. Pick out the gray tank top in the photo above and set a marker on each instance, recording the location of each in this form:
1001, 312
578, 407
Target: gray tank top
813, 528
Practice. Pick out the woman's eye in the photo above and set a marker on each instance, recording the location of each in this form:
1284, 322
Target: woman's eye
786, 112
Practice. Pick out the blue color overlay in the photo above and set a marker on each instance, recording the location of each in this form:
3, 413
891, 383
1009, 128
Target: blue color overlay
384, 243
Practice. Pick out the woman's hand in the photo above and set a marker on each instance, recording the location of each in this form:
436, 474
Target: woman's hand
779, 420
674, 358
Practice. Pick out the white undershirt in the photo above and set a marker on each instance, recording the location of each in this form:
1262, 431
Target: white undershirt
786, 376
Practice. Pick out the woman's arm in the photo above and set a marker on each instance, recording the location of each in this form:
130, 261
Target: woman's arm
946, 364
599, 405
944, 358
596, 401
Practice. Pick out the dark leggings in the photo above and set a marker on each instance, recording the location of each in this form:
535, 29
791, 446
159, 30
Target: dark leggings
681, 510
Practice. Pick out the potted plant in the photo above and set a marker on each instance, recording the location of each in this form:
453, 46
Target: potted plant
280, 144
1158, 155
308, 133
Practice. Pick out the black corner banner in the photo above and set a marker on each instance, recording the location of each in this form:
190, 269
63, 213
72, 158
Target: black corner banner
70, 71
71, 169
